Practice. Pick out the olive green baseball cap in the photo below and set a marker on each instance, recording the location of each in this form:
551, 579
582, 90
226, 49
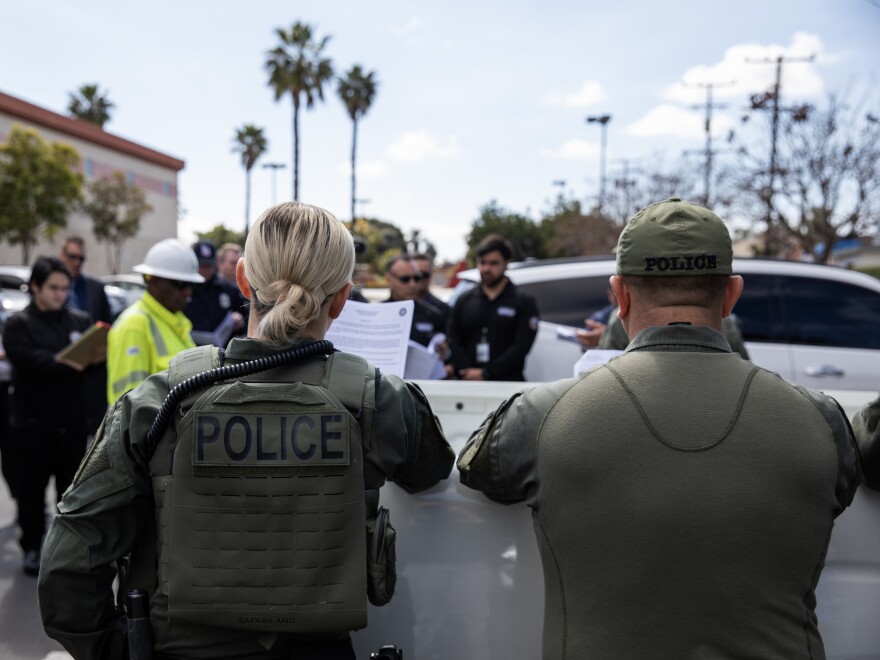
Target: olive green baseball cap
674, 237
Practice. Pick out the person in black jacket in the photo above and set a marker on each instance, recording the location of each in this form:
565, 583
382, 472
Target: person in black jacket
214, 300
48, 401
87, 295
493, 326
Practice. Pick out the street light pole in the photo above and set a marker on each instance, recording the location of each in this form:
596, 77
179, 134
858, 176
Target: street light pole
274, 167
602, 120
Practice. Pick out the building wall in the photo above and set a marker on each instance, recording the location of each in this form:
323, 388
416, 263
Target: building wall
158, 183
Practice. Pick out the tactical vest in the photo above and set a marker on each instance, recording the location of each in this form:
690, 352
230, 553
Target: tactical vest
261, 517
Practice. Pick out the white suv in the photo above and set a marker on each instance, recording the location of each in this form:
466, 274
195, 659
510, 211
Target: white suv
814, 325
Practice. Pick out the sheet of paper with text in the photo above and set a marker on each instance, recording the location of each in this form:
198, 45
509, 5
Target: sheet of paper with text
378, 332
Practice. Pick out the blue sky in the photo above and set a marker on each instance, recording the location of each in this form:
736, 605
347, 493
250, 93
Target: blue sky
477, 100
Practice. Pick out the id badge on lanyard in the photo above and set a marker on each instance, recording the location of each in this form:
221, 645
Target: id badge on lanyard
482, 353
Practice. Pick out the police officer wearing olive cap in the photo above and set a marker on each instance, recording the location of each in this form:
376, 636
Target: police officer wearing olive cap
213, 301
683, 498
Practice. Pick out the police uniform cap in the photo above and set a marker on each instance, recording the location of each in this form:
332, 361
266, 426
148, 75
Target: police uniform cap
205, 252
674, 237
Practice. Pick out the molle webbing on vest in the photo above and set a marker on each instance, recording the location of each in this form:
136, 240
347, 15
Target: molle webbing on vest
282, 548
261, 524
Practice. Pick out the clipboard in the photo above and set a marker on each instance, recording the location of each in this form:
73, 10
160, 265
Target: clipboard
81, 350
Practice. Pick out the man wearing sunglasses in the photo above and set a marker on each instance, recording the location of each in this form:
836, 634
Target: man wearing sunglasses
87, 295
154, 329
404, 278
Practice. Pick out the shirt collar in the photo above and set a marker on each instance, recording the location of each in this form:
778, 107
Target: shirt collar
175, 320
680, 338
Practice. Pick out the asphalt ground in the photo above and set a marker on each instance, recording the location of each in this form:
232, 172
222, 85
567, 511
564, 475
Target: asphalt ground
21, 631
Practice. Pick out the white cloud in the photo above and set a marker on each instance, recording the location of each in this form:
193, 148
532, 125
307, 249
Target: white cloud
590, 93
668, 119
410, 26
674, 121
748, 69
372, 169
572, 150
416, 146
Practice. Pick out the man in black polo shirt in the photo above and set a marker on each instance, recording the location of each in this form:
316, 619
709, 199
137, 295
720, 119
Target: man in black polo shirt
492, 326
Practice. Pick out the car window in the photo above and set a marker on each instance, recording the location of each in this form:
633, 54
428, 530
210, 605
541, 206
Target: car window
569, 301
829, 313
758, 310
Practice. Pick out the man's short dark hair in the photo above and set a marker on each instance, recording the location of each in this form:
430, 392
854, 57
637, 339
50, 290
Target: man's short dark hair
44, 267
495, 243
403, 256
685, 290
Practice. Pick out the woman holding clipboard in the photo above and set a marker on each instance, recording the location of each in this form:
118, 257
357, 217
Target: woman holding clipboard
48, 401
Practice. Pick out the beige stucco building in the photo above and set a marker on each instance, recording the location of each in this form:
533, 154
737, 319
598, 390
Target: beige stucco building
102, 153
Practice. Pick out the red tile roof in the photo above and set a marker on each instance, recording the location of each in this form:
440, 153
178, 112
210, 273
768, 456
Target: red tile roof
84, 130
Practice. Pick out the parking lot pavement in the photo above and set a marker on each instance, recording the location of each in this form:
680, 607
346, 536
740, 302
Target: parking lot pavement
21, 632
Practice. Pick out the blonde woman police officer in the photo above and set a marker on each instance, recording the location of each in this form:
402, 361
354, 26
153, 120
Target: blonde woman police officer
245, 520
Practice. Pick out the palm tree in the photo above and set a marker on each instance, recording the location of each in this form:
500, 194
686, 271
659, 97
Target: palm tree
357, 91
297, 66
90, 104
250, 142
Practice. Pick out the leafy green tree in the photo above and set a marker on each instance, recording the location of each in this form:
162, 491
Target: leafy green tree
90, 104
568, 232
298, 67
250, 143
116, 208
357, 91
524, 235
381, 238
220, 235
40, 183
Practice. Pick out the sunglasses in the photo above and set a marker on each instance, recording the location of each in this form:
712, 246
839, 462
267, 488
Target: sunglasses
180, 286
75, 257
406, 279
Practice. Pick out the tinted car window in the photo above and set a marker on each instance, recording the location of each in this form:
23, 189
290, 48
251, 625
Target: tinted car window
568, 301
828, 313
758, 310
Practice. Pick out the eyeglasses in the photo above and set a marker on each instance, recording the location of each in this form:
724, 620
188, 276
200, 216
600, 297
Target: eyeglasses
180, 286
75, 257
406, 279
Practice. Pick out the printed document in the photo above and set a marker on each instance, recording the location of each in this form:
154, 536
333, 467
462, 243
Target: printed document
378, 332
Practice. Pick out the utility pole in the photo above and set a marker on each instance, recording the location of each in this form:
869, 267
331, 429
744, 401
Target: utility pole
760, 102
627, 184
602, 120
709, 106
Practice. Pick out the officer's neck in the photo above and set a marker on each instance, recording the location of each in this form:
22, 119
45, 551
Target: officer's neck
639, 318
495, 289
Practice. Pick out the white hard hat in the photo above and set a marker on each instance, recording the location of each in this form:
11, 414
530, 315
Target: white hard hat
171, 260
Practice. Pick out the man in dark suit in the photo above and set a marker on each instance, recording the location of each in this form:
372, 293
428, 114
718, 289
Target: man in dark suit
87, 294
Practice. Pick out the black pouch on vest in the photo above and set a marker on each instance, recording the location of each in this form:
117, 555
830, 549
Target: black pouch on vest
381, 558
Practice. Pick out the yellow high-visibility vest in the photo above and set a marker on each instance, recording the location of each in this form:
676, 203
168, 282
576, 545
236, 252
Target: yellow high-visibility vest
142, 342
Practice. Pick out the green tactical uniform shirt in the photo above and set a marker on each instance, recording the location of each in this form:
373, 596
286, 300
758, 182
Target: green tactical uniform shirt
682, 499
109, 512
614, 336
866, 427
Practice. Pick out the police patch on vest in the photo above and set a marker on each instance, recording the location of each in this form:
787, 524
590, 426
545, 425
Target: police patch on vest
270, 442
699, 262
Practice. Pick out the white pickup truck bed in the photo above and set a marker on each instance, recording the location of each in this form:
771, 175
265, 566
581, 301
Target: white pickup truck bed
470, 585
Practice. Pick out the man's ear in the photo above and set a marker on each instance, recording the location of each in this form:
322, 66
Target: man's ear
241, 279
338, 300
621, 292
732, 292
